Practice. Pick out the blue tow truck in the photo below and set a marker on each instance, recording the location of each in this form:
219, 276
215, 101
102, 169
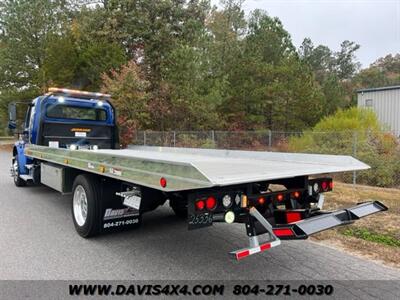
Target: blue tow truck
69, 142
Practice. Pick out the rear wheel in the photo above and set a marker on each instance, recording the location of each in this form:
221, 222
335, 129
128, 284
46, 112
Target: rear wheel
86, 208
18, 181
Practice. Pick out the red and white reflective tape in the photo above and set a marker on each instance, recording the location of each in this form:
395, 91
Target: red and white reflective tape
239, 254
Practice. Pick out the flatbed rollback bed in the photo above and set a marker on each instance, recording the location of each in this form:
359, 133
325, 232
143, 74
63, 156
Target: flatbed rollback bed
275, 195
197, 180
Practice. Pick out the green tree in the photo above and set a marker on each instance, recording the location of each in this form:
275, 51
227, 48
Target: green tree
269, 86
130, 96
385, 71
355, 132
25, 28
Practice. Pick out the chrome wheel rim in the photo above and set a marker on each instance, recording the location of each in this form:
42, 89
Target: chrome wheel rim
80, 205
15, 168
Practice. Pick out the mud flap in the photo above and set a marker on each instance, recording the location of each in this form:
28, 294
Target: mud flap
115, 216
120, 218
327, 220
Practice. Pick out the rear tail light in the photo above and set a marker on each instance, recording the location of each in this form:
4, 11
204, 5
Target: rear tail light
296, 195
324, 185
293, 216
280, 197
200, 204
283, 232
211, 203
261, 200
163, 182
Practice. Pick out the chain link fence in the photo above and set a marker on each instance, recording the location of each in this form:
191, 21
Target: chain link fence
380, 150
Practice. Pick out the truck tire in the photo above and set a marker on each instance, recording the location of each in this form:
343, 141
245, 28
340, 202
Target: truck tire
86, 206
179, 206
18, 181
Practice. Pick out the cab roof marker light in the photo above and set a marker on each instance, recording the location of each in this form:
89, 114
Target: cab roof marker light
77, 92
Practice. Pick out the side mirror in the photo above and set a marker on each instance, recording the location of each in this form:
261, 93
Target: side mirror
12, 125
12, 116
12, 112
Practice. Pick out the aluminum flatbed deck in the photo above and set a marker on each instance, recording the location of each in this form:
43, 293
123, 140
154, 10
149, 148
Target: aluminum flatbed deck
188, 168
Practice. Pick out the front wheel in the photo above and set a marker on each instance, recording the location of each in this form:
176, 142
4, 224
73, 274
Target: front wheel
18, 181
86, 208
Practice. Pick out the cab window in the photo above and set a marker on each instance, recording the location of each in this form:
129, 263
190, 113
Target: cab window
59, 111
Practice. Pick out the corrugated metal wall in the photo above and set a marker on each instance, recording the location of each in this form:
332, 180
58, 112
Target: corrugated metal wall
386, 104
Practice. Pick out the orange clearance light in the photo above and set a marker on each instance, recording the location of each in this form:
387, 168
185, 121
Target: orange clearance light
163, 182
211, 203
200, 205
279, 197
244, 201
261, 200
331, 185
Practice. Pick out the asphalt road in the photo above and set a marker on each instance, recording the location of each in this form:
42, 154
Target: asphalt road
38, 241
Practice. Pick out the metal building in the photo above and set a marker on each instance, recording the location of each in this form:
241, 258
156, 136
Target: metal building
385, 101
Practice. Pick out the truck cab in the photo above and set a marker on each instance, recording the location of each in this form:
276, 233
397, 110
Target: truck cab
63, 118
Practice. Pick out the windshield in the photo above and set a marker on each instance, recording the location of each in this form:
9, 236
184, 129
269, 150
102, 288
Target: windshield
59, 111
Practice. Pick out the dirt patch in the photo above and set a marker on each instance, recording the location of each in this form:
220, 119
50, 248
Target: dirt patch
382, 225
6, 147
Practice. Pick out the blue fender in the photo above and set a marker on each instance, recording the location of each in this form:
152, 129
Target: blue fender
22, 159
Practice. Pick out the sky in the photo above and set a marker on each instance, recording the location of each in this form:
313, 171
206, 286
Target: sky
373, 24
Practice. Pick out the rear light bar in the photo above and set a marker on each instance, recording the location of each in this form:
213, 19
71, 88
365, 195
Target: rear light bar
277, 198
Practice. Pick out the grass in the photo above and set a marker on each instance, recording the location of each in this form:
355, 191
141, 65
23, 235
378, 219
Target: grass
365, 234
377, 236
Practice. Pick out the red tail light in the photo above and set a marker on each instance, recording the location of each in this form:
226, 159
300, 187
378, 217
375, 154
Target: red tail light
211, 203
200, 205
296, 194
324, 185
279, 197
261, 200
283, 232
163, 182
293, 217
